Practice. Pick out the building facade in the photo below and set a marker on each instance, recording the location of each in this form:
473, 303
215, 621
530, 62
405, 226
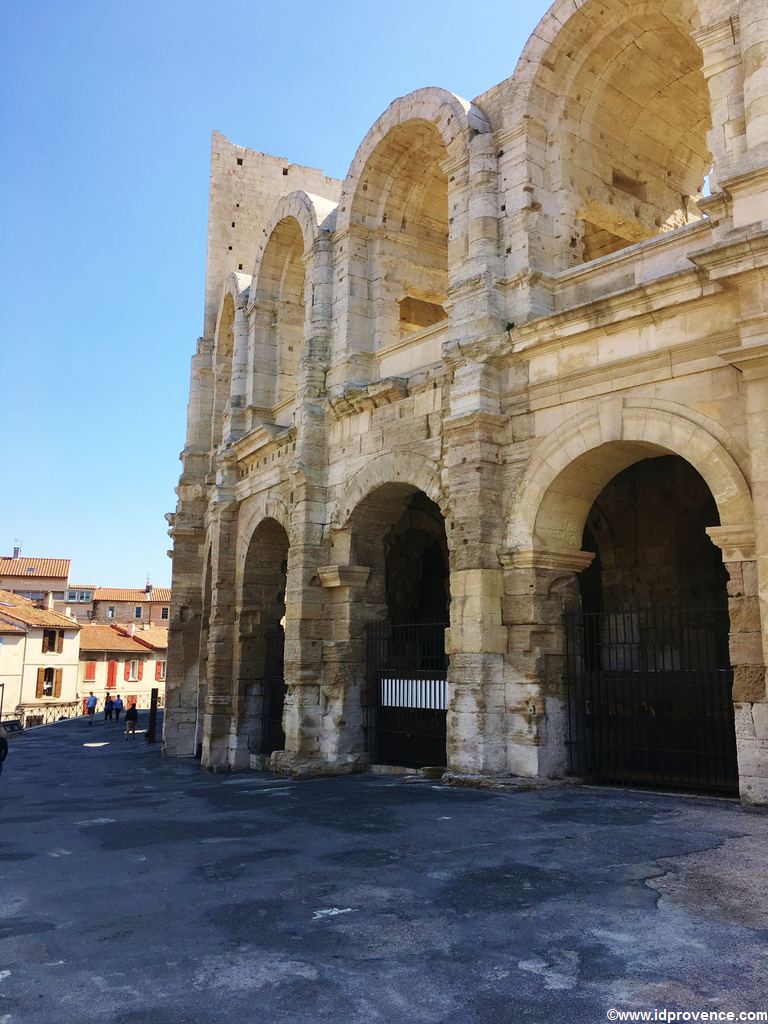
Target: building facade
123, 605
476, 470
35, 578
126, 661
38, 659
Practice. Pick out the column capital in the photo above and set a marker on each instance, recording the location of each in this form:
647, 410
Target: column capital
737, 543
545, 558
343, 575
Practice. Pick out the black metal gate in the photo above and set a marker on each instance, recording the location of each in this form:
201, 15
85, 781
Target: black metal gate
407, 694
650, 698
273, 693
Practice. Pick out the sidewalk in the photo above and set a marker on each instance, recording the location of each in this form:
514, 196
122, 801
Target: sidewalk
140, 890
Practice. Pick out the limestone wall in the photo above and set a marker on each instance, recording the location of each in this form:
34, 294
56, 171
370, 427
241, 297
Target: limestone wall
504, 305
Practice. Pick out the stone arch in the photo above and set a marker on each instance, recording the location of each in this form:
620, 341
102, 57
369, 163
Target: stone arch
624, 115
252, 514
455, 119
407, 468
312, 213
572, 465
290, 298
233, 293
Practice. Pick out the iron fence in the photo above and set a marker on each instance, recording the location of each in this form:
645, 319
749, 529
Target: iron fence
406, 699
650, 697
33, 715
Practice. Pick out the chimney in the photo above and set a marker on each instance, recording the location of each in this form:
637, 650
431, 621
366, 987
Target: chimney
16, 551
68, 612
131, 628
49, 601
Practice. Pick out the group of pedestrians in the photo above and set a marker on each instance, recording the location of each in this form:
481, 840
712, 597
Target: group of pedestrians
113, 708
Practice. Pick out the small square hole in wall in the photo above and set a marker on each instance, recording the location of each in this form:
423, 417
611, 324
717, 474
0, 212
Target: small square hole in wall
233, 223
285, 172
239, 161
239, 266
230, 248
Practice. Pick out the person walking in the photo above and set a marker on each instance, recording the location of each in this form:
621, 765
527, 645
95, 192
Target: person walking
108, 706
117, 707
90, 705
3, 748
131, 718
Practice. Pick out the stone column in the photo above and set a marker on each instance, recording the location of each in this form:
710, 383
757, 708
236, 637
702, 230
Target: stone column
235, 415
752, 709
747, 659
537, 584
477, 638
753, 24
188, 533
220, 747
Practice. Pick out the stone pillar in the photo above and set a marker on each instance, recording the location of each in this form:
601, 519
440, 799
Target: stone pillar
235, 415
750, 682
747, 659
188, 533
537, 583
220, 747
753, 24
477, 638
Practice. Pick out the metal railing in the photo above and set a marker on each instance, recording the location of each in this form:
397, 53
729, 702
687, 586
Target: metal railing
33, 715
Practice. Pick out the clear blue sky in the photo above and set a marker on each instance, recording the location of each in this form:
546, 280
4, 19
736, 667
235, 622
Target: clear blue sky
106, 110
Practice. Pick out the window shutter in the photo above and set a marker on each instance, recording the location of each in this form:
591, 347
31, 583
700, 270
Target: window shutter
111, 673
127, 670
141, 669
158, 671
57, 683
40, 682
90, 671
60, 641
45, 642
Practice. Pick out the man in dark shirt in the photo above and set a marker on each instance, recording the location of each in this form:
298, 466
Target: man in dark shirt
3, 748
131, 718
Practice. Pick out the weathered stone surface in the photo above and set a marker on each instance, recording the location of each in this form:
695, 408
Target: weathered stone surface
505, 306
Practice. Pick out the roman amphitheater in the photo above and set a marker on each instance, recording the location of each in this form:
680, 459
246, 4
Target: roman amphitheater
476, 470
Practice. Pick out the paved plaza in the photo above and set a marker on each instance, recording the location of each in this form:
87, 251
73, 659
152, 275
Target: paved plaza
141, 890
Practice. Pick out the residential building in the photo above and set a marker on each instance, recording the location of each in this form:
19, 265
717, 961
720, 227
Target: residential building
114, 661
35, 578
121, 605
39, 656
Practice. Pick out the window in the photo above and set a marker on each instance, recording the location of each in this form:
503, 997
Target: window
159, 671
81, 596
72, 595
111, 612
137, 612
133, 670
48, 682
164, 612
53, 641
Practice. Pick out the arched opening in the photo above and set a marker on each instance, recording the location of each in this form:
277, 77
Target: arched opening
262, 639
648, 669
401, 202
630, 151
281, 284
400, 534
222, 369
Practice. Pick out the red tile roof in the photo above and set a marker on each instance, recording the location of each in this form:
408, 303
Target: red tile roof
18, 609
155, 637
106, 638
57, 568
160, 595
